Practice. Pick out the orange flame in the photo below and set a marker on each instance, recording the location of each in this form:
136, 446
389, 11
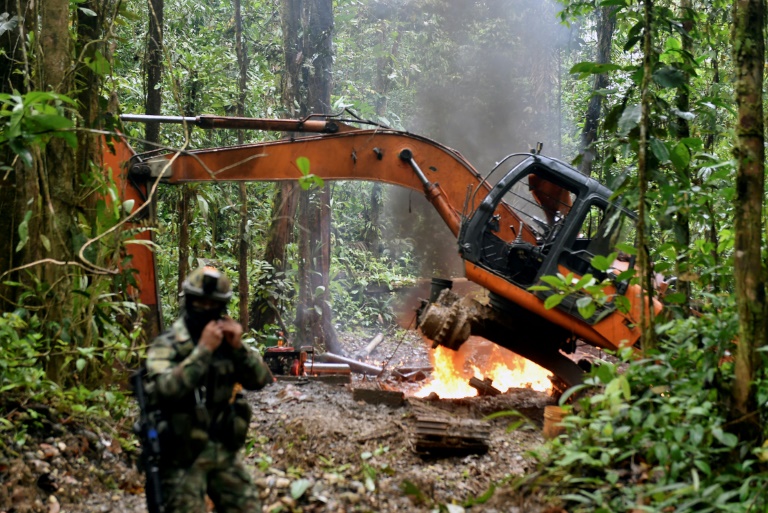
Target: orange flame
481, 359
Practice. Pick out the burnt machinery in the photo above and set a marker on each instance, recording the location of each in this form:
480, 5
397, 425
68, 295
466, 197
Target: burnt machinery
541, 218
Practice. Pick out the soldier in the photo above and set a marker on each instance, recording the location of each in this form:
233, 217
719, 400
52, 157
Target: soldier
192, 370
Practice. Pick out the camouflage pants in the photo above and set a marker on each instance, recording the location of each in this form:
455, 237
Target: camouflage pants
217, 472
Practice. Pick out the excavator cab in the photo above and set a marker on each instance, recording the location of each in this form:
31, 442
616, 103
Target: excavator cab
561, 221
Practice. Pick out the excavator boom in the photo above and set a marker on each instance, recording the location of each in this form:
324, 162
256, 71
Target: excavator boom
373, 155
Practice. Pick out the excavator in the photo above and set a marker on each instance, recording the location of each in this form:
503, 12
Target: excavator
542, 218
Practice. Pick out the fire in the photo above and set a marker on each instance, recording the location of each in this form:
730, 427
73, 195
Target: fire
481, 359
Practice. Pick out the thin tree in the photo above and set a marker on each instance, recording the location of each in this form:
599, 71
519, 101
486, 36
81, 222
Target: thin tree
264, 310
242, 86
11, 79
54, 170
313, 314
709, 144
384, 67
188, 192
90, 49
648, 339
153, 102
682, 130
46, 183
748, 60
606, 24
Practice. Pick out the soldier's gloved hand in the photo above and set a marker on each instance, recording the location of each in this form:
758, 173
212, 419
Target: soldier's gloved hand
233, 332
211, 336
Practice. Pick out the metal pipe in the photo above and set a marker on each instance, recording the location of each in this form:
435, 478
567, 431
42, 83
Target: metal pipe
148, 118
211, 122
423, 368
321, 369
407, 156
354, 365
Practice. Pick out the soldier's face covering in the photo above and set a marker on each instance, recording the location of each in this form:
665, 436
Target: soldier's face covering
198, 313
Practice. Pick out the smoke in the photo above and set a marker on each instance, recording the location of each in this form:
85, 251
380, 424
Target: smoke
488, 86
499, 90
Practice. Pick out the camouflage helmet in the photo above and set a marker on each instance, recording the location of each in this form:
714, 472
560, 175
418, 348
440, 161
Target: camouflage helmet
207, 283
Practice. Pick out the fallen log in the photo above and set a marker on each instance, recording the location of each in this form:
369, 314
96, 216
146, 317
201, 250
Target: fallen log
372, 345
439, 437
484, 387
373, 396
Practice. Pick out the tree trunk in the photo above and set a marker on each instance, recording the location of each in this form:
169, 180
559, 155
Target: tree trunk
606, 24
13, 66
12, 71
648, 339
682, 130
384, 67
314, 317
242, 61
373, 230
263, 310
153, 66
57, 177
709, 143
154, 62
749, 152
90, 47
185, 217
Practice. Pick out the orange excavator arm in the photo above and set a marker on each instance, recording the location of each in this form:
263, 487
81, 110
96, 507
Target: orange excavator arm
381, 155
335, 151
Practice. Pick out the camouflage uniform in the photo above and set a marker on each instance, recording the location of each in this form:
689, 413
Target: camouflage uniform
202, 428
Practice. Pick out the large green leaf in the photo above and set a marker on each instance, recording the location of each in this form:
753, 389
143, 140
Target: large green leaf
24, 230
300, 486
680, 156
593, 68
669, 76
7, 24
601, 263
98, 64
553, 300
660, 150
586, 306
693, 143
303, 164
630, 118
48, 122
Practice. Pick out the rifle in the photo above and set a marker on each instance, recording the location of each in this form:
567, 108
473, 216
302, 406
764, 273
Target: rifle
146, 430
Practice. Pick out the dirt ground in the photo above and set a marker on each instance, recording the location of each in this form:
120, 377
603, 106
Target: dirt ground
313, 448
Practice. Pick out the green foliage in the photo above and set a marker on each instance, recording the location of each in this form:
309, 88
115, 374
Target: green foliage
656, 434
77, 346
592, 294
521, 421
31, 120
307, 180
25, 388
371, 469
299, 487
362, 286
22, 344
